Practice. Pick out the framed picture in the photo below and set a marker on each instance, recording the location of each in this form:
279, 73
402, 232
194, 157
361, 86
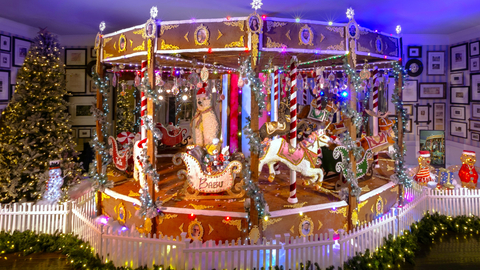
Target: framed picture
408, 126
202, 35
419, 128
459, 129
439, 116
435, 63
5, 43
475, 48
414, 51
457, 112
5, 60
84, 133
474, 64
414, 67
4, 85
255, 23
474, 124
456, 78
150, 29
93, 53
305, 35
460, 95
475, 110
475, 85
409, 93
79, 108
408, 109
458, 57
432, 90
20, 50
434, 142
75, 57
423, 114
76, 80
475, 136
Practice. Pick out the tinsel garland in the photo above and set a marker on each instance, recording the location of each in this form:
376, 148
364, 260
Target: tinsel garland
149, 92
400, 175
255, 85
100, 179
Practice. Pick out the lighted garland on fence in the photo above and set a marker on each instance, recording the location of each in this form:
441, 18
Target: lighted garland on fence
400, 175
100, 180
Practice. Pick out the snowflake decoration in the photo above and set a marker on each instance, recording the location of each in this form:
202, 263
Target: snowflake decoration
350, 13
153, 12
398, 29
102, 26
257, 4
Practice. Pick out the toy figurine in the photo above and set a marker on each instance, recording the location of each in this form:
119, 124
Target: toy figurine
467, 173
423, 173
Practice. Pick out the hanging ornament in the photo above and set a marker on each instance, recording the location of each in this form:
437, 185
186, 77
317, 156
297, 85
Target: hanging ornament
158, 79
137, 78
123, 85
204, 74
331, 76
240, 83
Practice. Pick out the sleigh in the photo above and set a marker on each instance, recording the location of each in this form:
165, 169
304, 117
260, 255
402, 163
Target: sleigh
200, 185
121, 157
177, 137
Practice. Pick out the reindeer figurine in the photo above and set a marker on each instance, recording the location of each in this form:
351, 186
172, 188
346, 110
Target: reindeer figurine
280, 127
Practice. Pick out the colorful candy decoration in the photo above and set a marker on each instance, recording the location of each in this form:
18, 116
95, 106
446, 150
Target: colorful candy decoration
467, 173
423, 173
125, 137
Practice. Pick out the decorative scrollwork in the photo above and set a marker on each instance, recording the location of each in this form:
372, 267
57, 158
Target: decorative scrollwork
339, 30
272, 24
167, 27
273, 44
106, 40
234, 44
360, 48
338, 47
164, 46
140, 47
240, 24
139, 31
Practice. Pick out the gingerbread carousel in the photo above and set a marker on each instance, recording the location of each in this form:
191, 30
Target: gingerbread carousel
250, 127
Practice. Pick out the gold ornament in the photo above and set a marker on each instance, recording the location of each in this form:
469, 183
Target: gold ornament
237, 223
254, 234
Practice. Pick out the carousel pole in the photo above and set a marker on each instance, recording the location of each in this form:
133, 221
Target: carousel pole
375, 110
98, 126
293, 128
304, 94
400, 129
143, 101
275, 94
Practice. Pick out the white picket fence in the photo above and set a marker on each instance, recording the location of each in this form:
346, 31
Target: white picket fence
130, 248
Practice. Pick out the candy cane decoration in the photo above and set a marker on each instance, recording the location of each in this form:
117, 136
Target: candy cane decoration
275, 94
305, 88
375, 110
293, 129
143, 102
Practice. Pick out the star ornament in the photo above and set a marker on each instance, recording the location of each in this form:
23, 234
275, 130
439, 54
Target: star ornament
153, 12
257, 4
398, 29
102, 26
350, 13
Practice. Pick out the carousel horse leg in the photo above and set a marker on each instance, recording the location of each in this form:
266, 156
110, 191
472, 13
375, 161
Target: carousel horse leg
271, 172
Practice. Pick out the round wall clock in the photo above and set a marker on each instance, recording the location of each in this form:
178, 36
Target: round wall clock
414, 67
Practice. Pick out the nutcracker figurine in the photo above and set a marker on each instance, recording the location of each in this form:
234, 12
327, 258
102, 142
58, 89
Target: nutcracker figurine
467, 173
423, 173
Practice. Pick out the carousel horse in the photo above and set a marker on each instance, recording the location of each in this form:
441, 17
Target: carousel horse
301, 159
280, 127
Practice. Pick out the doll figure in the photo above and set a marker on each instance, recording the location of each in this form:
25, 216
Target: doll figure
467, 173
423, 173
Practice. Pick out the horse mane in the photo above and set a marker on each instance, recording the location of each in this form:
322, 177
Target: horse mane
309, 140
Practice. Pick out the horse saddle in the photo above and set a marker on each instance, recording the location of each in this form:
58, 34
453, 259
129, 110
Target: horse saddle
274, 126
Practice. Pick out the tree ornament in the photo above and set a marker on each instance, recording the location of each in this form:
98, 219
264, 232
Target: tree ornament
467, 173
137, 79
204, 74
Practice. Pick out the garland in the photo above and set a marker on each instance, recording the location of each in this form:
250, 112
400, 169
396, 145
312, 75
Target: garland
100, 180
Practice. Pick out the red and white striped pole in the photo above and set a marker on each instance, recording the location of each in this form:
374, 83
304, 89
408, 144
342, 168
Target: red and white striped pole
305, 87
319, 87
375, 110
143, 103
275, 94
293, 128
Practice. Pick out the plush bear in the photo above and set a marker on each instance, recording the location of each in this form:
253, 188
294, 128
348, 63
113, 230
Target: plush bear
205, 124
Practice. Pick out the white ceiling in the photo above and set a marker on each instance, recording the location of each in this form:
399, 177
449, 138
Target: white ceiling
72, 17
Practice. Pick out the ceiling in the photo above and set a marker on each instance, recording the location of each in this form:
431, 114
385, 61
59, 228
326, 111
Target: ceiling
73, 17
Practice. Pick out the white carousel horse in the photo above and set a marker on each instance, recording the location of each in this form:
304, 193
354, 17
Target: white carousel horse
301, 159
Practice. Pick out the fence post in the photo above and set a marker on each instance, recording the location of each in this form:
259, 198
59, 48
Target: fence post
341, 240
287, 251
67, 217
330, 249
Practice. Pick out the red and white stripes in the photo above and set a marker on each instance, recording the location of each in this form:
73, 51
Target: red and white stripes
319, 87
293, 128
305, 88
275, 94
143, 102
375, 110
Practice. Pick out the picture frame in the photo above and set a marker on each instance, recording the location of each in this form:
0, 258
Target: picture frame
414, 51
474, 48
76, 80
150, 29
410, 91
474, 64
419, 128
439, 116
457, 112
5, 43
476, 110
4, 85
93, 52
474, 124
408, 126
5, 60
432, 91
475, 86
75, 57
79, 109
434, 142
422, 113
414, 67
459, 129
20, 50
305, 36
458, 57
475, 136
408, 109
202, 36
456, 78
436, 63
460, 95
255, 23
84, 133
306, 226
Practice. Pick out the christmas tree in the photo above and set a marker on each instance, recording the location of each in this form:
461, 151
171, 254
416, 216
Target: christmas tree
125, 108
35, 127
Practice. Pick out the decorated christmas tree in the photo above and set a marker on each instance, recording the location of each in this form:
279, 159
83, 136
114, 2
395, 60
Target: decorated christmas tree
35, 127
